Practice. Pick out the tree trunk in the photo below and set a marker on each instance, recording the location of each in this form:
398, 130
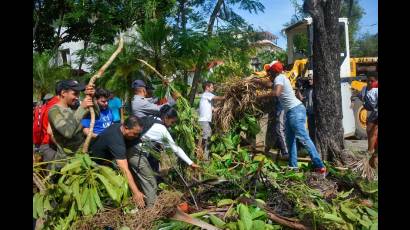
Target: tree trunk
195, 82
326, 69
200, 62
213, 16
82, 57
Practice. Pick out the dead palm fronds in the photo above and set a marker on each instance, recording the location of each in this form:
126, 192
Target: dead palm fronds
241, 97
363, 167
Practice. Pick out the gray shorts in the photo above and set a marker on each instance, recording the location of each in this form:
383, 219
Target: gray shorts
206, 129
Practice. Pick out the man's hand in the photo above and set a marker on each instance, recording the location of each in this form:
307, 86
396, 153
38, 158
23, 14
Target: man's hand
195, 166
89, 90
87, 102
138, 198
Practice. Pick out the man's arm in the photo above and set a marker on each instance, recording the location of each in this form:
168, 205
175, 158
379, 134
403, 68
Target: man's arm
265, 82
148, 108
66, 127
218, 98
277, 90
138, 196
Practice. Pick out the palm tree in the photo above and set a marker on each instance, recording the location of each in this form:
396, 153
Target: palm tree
46, 74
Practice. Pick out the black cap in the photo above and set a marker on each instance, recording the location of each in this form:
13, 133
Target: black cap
69, 84
138, 83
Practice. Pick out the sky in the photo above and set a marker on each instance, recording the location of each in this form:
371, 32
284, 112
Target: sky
278, 12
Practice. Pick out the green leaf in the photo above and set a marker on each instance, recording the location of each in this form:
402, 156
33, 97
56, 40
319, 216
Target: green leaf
371, 212
108, 186
124, 228
35, 204
76, 192
245, 216
259, 157
241, 225
260, 202
87, 161
47, 205
348, 212
345, 194
72, 165
86, 203
224, 202
97, 198
334, 218
112, 177
374, 226
198, 214
40, 205
258, 225
257, 213
216, 221
92, 199
231, 226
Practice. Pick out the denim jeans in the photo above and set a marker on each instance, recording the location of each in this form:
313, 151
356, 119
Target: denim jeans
295, 128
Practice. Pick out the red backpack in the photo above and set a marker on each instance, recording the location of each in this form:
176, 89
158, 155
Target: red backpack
37, 124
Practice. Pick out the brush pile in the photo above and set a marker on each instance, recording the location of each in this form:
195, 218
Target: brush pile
363, 168
164, 206
241, 97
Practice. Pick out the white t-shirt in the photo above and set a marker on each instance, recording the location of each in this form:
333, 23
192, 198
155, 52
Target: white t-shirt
287, 98
205, 107
160, 134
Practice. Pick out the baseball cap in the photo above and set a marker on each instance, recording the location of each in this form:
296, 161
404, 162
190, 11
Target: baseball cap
138, 83
276, 66
69, 84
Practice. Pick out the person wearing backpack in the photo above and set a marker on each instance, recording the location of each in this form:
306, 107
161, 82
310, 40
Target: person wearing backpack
369, 96
41, 138
154, 132
65, 119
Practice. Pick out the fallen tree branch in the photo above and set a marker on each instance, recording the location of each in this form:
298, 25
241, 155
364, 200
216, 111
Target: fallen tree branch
285, 221
91, 82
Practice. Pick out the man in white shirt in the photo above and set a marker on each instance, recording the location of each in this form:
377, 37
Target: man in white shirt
142, 163
205, 114
295, 113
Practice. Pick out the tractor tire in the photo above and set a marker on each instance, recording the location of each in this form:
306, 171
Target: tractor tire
360, 122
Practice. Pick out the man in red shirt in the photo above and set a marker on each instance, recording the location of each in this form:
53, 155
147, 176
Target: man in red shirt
47, 148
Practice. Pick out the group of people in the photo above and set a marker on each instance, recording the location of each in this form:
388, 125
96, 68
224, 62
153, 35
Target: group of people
65, 122
121, 143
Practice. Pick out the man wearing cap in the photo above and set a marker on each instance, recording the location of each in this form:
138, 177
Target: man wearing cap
295, 113
141, 105
65, 123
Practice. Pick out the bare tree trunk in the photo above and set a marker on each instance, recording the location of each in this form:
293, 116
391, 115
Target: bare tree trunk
195, 82
213, 16
38, 17
326, 69
200, 62
82, 57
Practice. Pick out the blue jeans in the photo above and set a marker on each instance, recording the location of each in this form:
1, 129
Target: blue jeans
295, 128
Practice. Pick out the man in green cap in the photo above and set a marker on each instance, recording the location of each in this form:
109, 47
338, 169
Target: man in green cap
65, 120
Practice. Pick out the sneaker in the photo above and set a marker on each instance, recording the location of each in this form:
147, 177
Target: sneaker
321, 171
